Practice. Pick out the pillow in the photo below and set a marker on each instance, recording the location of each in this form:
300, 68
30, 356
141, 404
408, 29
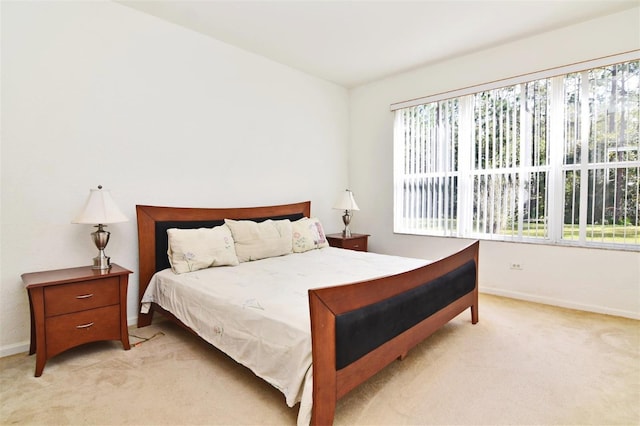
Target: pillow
259, 240
308, 235
193, 249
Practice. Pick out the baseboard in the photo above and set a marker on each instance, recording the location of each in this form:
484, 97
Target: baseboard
14, 349
132, 321
560, 303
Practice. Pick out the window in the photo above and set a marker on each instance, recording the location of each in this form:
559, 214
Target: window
553, 159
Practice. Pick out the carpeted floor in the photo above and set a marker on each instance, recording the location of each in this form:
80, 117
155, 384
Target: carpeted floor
523, 363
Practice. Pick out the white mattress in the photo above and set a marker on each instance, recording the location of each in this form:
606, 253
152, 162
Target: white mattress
258, 312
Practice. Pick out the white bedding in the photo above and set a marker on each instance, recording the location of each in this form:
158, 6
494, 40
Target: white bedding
258, 312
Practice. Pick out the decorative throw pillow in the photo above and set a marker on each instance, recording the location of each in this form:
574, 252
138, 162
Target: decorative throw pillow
194, 249
259, 240
308, 234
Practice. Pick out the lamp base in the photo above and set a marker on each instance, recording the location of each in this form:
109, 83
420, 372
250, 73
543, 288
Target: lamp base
101, 239
101, 262
346, 219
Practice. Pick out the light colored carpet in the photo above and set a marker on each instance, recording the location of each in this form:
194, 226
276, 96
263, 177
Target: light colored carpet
523, 363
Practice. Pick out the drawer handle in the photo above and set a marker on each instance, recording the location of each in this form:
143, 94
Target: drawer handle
84, 325
84, 296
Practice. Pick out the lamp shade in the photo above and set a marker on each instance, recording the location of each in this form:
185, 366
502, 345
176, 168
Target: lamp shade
346, 202
100, 209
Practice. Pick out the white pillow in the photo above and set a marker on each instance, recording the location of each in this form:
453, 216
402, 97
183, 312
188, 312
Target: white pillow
259, 240
193, 249
308, 234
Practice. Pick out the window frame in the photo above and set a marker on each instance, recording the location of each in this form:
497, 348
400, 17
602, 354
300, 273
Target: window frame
556, 167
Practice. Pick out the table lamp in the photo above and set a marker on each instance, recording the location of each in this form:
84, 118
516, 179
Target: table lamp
347, 203
100, 210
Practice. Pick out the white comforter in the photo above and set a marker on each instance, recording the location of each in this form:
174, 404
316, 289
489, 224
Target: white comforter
258, 312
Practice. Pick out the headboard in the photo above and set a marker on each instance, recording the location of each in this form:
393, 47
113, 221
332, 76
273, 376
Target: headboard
153, 222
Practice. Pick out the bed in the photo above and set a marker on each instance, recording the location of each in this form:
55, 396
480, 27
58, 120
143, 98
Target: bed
351, 328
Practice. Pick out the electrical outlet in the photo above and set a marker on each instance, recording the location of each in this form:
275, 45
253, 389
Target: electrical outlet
516, 266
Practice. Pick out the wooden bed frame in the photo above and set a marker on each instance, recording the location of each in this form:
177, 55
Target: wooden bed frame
380, 319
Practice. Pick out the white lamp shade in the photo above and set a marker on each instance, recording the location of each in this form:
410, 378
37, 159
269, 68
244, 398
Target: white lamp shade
100, 209
346, 202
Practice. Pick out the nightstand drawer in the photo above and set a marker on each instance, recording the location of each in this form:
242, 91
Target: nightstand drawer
359, 244
66, 331
356, 242
76, 297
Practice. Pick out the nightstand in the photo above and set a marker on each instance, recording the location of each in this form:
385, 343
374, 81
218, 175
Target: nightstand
71, 307
356, 242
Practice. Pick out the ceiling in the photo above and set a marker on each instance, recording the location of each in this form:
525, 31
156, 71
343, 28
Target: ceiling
355, 42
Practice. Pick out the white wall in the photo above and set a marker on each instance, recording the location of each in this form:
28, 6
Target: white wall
596, 280
98, 93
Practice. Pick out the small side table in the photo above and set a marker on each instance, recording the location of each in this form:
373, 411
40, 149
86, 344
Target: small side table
356, 242
71, 307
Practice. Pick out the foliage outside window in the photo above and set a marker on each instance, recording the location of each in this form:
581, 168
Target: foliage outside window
555, 160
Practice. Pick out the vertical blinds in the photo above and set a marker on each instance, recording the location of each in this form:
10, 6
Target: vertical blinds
555, 159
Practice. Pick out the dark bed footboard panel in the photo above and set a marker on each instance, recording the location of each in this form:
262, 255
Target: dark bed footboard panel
358, 329
362, 330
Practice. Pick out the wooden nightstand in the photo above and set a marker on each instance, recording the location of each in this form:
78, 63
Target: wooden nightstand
70, 307
356, 242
